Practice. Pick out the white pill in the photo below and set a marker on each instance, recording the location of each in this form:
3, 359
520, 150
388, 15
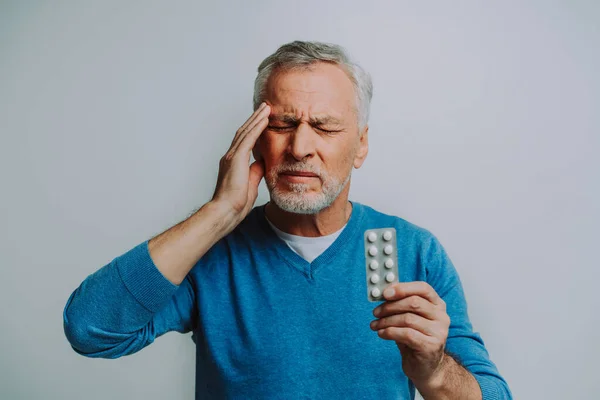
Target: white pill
373, 251
375, 292
372, 236
374, 265
388, 249
389, 263
387, 235
390, 276
374, 278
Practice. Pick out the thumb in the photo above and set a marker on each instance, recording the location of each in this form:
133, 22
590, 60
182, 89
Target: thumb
257, 171
404, 349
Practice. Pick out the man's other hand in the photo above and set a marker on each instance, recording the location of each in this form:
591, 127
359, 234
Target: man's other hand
415, 317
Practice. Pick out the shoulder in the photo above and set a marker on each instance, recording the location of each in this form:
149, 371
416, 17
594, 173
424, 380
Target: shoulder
420, 247
430, 257
246, 237
406, 230
253, 226
425, 247
251, 233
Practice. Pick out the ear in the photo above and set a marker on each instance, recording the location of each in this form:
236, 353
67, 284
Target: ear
363, 148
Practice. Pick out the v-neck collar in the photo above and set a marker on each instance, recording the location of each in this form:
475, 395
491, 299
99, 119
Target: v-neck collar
333, 251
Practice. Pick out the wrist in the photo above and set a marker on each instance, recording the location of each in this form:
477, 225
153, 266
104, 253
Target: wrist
223, 217
434, 385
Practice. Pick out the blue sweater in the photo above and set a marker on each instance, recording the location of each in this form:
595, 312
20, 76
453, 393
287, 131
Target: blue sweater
268, 324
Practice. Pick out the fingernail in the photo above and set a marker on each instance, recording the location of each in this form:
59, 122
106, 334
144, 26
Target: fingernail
377, 311
389, 292
373, 324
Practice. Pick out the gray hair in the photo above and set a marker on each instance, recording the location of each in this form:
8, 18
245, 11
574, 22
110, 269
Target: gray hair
299, 54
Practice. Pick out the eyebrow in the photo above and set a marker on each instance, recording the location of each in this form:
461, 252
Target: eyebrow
315, 121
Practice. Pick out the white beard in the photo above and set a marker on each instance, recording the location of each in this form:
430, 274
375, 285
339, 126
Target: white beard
298, 199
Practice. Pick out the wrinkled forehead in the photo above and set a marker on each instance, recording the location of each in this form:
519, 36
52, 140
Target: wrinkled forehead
320, 91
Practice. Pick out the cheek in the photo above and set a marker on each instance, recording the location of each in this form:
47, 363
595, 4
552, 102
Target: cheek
344, 157
271, 146
268, 149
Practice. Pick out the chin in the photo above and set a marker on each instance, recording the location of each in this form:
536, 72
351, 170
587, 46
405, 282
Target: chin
300, 203
304, 198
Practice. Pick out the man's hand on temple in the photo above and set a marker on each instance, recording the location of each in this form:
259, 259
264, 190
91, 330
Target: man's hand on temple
237, 182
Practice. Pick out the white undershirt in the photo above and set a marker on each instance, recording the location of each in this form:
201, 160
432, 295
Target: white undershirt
308, 248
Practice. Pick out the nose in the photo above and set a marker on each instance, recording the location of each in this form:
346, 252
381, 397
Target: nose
301, 144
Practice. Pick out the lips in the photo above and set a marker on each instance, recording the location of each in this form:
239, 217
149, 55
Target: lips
300, 173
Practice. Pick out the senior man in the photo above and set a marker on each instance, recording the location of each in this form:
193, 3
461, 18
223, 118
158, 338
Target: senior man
275, 295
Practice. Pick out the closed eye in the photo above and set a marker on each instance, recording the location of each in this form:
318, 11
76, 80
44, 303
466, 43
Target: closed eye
279, 128
284, 128
327, 131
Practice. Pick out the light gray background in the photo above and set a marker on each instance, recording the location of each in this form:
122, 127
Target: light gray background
484, 130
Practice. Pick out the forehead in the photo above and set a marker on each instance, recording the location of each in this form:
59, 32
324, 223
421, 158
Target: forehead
323, 89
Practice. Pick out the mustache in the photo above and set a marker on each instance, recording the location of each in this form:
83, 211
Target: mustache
296, 167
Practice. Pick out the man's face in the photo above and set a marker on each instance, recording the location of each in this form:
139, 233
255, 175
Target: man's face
312, 141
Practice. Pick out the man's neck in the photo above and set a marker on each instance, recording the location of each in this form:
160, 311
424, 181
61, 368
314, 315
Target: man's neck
325, 222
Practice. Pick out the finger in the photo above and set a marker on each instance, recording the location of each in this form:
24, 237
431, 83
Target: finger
241, 129
408, 336
250, 124
414, 304
407, 320
252, 117
247, 142
401, 290
260, 124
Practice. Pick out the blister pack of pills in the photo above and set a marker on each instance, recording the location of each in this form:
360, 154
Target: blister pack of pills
381, 255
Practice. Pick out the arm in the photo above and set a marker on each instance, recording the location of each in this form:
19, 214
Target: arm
466, 371
452, 381
138, 296
429, 322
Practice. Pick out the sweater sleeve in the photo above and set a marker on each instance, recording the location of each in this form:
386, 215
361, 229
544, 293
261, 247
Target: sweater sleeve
122, 307
465, 345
